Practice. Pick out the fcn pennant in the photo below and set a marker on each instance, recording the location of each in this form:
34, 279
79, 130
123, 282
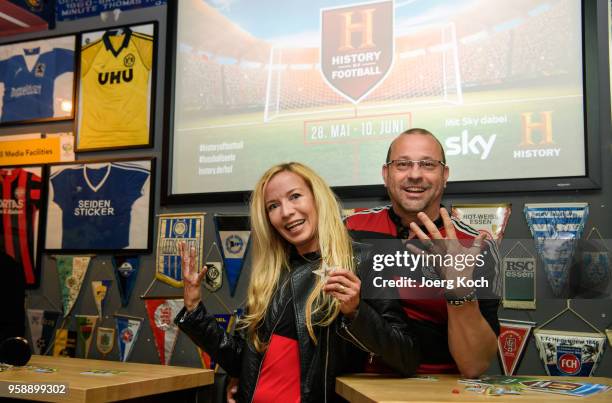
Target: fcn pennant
511, 342
357, 47
233, 233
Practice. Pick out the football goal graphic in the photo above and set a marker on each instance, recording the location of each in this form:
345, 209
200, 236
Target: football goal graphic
425, 71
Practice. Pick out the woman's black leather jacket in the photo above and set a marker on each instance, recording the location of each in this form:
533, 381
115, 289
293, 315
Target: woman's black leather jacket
380, 329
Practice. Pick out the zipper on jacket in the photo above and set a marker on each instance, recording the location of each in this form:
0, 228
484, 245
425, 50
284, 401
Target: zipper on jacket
355, 340
271, 333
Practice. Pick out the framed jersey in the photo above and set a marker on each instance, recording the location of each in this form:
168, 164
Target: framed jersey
100, 206
116, 88
20, 201
37, 80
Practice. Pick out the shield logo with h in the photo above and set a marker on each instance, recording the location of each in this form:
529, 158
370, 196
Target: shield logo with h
357, 47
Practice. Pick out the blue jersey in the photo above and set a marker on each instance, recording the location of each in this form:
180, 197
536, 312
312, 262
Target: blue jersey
97, 204
28, 94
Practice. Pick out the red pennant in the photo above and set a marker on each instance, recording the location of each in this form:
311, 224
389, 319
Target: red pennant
511, 343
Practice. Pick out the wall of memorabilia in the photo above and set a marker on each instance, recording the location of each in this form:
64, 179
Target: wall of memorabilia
101, 281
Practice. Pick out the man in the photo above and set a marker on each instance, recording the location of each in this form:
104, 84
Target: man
457, 329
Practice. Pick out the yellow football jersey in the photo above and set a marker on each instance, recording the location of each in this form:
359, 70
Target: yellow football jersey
115, 95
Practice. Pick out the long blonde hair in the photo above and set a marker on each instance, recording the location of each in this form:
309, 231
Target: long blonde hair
270, 253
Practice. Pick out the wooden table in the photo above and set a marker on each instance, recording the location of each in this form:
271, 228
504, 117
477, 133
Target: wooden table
367, 388
135, 380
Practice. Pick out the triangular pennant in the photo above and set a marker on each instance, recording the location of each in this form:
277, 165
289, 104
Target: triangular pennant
490, 219
609, 334
100, 292
175, 228
161, 314
511, 342
42, 325
595, 270
556, 229
570, 353
214, 263
105, 340
126, 271
65, 343
128, 328
233, 234
85, 330
71, 271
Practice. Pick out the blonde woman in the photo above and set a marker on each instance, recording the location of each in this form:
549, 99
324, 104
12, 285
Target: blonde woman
304, 326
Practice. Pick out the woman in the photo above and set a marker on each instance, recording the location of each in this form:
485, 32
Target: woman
305, 323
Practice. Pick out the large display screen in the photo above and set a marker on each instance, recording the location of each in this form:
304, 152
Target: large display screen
331, 83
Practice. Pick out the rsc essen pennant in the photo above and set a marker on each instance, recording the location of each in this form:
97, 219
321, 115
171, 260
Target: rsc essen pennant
161, 314
519, 271
556, 228
71, 271
175, 228
511, 343
233, 234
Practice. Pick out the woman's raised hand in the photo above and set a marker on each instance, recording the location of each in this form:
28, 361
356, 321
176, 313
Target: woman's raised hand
192, 279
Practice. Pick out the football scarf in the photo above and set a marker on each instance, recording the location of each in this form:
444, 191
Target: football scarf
42, 324
569, 353
161, 313
85, 330
490, 219
175, 228
511, 342
71, 271
128, 328
233, 234
556, 229
100, 291
126, 271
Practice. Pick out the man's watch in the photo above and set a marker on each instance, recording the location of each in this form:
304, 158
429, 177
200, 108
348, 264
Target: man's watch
452, 299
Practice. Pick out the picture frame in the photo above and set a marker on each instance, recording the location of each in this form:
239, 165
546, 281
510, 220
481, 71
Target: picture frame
100, 206
116, 87
37, 80
21, 215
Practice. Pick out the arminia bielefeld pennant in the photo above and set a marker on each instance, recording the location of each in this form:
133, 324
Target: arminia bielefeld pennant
556, 229
105, 340
357, 47
42, 324
100, 291
71, 271
85, 330
490, 219
175, 228
161, 314
233, 233
570, 353
126, 272
128, 328
511, 343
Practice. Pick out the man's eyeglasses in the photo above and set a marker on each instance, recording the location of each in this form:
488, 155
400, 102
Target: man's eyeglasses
426, 165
